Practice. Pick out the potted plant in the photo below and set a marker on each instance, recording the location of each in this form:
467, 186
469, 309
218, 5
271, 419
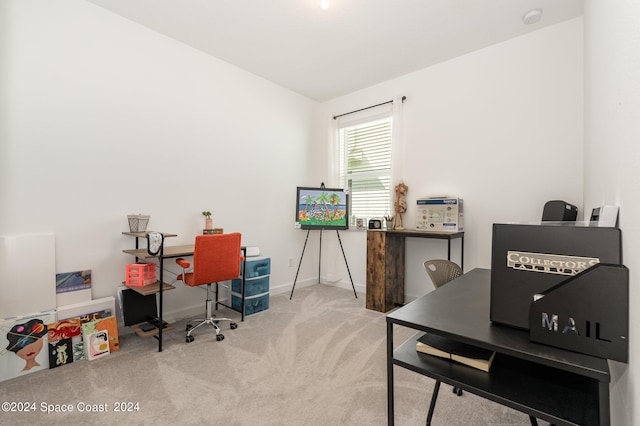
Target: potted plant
208, 222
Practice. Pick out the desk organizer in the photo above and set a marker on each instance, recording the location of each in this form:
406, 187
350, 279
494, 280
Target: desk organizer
587, 313
140, 274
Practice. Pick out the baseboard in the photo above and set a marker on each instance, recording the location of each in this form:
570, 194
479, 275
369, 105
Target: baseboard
286, 288
172, 315
360, 289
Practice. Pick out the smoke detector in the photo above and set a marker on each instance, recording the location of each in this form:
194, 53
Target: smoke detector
532, 16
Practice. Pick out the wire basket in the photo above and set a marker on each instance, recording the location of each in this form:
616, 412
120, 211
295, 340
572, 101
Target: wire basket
138, 222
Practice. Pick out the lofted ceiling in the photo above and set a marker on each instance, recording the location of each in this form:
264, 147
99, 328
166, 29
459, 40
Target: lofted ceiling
352, 45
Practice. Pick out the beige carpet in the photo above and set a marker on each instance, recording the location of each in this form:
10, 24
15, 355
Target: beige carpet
319, 359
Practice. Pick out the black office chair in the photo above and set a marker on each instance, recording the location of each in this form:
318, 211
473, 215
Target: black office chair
441, 272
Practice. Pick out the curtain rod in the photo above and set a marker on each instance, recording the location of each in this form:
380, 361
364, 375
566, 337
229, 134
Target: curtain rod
369, 107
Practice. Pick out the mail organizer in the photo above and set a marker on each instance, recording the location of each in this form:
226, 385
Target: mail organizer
528, 259
586, 313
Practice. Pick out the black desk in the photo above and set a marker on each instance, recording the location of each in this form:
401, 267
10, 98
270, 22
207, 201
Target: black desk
172, 252
561, 387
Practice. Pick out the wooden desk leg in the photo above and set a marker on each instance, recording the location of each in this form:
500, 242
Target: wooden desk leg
390, 412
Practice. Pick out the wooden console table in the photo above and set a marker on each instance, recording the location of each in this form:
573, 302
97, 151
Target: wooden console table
385, 264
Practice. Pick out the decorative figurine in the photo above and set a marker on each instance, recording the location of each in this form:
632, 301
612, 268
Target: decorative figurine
400, 204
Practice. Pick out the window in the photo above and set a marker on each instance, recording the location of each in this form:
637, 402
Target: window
365, 167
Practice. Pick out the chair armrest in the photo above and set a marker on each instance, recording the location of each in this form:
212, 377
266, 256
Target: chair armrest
184, 264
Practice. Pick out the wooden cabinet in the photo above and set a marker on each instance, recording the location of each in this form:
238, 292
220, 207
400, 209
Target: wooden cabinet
385, 271
385, 264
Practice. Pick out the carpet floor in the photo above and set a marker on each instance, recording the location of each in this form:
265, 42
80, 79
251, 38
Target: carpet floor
319, 359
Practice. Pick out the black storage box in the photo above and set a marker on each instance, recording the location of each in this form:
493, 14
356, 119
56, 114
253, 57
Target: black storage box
558, 210
527, 259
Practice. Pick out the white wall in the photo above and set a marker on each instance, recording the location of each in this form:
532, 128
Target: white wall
500, 128
94, 104
102, 117
612, 159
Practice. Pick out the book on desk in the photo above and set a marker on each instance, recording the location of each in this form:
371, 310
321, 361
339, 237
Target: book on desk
463, 353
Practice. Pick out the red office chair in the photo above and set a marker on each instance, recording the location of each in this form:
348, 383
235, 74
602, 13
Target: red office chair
216, 258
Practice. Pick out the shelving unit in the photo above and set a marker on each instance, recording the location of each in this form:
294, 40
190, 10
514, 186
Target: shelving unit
141, 333
159, 287
152, 288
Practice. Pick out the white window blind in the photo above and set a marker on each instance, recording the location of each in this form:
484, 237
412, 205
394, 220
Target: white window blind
365, 168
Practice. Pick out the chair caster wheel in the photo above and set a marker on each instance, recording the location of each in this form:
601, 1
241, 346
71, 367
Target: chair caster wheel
188, 327
190, 339
457, 391
219, 337
233, 325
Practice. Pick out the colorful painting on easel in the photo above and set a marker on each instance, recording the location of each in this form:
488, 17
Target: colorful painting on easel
322, 208
22, 341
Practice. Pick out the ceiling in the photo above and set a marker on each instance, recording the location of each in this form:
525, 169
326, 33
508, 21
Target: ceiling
352, 45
